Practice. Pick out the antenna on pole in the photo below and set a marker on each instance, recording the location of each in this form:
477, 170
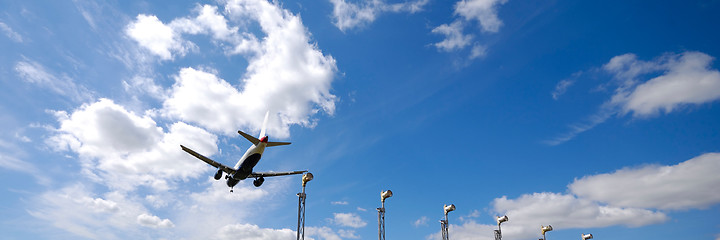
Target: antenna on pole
301, 207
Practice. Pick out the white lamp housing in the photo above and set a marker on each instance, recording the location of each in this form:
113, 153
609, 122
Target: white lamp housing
306, 178
449, 208
502, 219
385, 194
545, 229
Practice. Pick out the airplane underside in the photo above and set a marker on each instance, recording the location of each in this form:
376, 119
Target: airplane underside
243, 172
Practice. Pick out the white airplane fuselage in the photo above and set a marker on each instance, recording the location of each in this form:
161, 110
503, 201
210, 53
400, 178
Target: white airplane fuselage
247, 162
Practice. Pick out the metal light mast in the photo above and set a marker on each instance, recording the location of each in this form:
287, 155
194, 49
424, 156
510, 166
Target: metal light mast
301, 207
381, 214
498, 233
444, 223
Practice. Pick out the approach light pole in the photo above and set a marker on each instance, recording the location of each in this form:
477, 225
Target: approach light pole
498, 233
545, 229
381, 214
586, 236
444, 223
301, 207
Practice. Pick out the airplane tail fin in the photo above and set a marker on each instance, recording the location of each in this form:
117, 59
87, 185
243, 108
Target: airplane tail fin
255, 141
264, 126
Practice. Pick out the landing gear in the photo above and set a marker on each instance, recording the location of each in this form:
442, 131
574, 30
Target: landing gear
258, 182
231, 189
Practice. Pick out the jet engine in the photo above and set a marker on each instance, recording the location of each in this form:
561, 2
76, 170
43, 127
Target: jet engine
258, 182
218, 175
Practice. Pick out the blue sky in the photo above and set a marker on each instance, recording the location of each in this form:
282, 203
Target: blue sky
593, 117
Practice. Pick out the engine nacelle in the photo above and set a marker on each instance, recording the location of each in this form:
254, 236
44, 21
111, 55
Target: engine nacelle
219, 174
258, 182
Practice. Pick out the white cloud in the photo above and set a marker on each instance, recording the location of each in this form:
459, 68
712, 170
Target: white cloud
687, 80
422, 221
208, 21
474, 214
625, 197
348, 233
10, 33
681, 186
77, 210
529, 211
454, 37
12, 157
157, 37
290, 77
144, 85
606, 111
15, 164
100, 205
484, 11
561, 87
253, 232
35, 73
286, 73
339, 203
125, 150
348, 220
325, 233
567, 211
152, 221
350, 15
684, 79
478, 51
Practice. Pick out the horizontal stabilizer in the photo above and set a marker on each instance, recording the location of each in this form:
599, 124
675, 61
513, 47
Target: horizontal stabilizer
252, 139
271, 144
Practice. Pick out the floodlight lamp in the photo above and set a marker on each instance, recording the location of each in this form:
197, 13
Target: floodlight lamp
449, 208
385, 194
546, 229
586, 236
306, 178
502, 219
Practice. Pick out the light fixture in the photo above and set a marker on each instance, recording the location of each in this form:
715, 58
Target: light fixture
449, 208
502, 219
546, 229
586, 236
385, 194
306, 178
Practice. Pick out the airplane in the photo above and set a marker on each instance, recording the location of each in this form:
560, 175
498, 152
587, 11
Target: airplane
244, 167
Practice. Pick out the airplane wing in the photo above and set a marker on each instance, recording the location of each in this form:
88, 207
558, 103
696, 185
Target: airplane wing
273, 174
218, 165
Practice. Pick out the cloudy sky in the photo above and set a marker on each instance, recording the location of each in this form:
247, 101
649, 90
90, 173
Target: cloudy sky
592, 116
